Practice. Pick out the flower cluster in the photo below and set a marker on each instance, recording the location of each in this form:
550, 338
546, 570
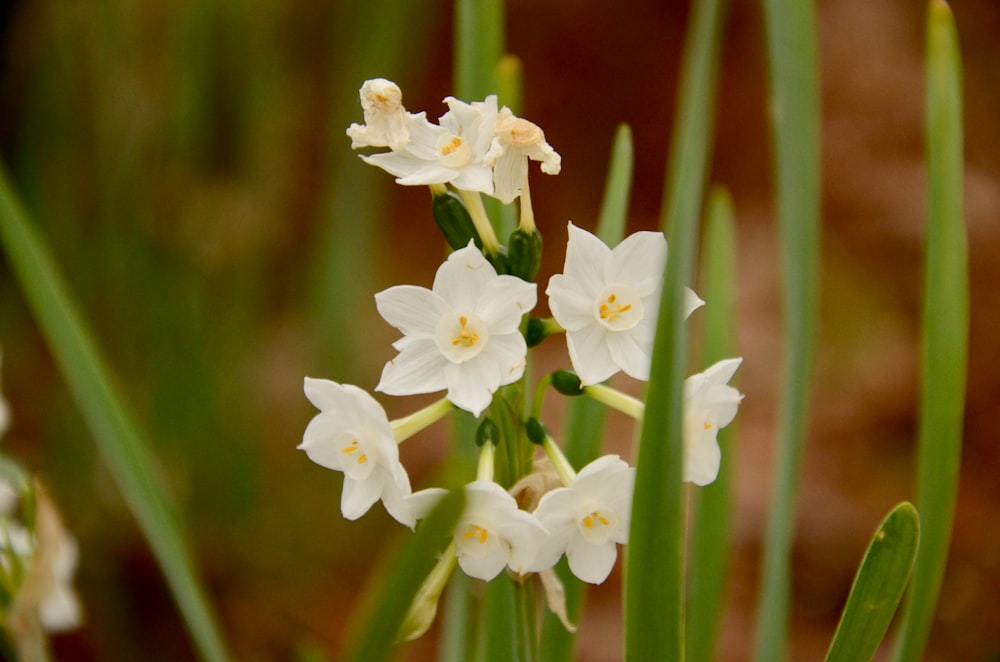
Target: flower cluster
468, 336
37, 559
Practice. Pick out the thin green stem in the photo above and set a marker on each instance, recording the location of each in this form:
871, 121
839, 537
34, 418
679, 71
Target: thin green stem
615, 399
406, 427
474, 204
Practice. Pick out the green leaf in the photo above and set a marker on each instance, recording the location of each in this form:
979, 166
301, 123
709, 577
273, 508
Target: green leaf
120, 441
945, 330
479, 43
711, 510
654, 586
400, 581
878, 587
794, 101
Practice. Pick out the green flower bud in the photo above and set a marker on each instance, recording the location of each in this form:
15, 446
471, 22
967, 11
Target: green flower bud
453, 220
524, 254
567, 382
536, 431
487, 432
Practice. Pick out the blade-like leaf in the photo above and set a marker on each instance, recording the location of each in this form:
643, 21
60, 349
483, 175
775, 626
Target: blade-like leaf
711, 508
878, 587
945, 330
654, 586
794, 82
120, 441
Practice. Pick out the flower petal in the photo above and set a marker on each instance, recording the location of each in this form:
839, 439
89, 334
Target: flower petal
586, 256
504, 300
638, 261
591, 563
419, 368
471, 385
463, 277
628, 355
484, 568
702, 458
570, 305
509, 353
589, 353
359, 495
411, 309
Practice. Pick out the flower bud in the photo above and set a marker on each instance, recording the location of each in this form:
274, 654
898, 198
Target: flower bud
453, 220
524, 253
566, 382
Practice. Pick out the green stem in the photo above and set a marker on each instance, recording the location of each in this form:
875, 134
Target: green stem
406, 427
615, 399
477, 212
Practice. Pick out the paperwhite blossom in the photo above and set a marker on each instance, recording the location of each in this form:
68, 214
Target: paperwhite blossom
352, 434
587, 519
607, 300
492, 533
450, 153
515, 141
386, 120
462, 335
709, 404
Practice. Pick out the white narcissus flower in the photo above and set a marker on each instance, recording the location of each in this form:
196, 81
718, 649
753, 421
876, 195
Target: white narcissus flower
452, 153
608, 300
587, 519
352, 434
515, 141
386, 121
709, 404
493, 532
462, 335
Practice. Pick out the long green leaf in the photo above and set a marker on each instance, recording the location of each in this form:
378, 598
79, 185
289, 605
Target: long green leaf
401, 581
793, 68
654, 581
584, 428
120, 441
878, 587
945, 330
479, 43
711, 510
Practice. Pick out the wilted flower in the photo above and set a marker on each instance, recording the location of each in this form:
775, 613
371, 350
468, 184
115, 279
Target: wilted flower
515, 141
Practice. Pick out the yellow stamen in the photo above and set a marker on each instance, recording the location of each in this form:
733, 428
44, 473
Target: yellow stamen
455, 143
350, 449
362, 458
476, 532
708, 426
610, 310
465, 337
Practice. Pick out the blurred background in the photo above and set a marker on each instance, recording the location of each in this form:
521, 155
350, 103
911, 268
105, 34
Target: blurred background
188, 165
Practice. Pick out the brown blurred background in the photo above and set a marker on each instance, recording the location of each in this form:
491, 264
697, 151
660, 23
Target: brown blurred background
187, 163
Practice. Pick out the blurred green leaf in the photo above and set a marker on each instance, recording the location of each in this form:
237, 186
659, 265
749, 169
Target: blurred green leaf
795, 133
878, 587
711, 508
654, 582
945, 330
120, 441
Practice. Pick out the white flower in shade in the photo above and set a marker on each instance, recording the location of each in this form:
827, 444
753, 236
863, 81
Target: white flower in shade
452, 153
516, 140
492, 533
709, 404
462, 335
386, 121
587, 519
352, 434
608, 300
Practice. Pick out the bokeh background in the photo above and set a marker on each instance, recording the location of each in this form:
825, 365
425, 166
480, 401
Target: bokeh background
187, 163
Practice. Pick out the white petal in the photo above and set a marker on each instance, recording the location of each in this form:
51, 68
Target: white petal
485, 568
570, 305
628, 355
419, 368
359, 495
60, 610
411, 309
432, 173
692, 302
320, 442
399, 164
474, 178
638, 261
591, 563
586, 256
504, 300
589, 353
420, 504
552, 547
524, 534
509, 353
702, 458
510, 173
471, 385
463, 277
394, 499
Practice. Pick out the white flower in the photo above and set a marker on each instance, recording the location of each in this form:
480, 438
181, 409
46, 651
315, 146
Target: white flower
587, 519
709, 404
386, 121
607, 300
462, 335
515, 141
492, 533
352, 434
450, 153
